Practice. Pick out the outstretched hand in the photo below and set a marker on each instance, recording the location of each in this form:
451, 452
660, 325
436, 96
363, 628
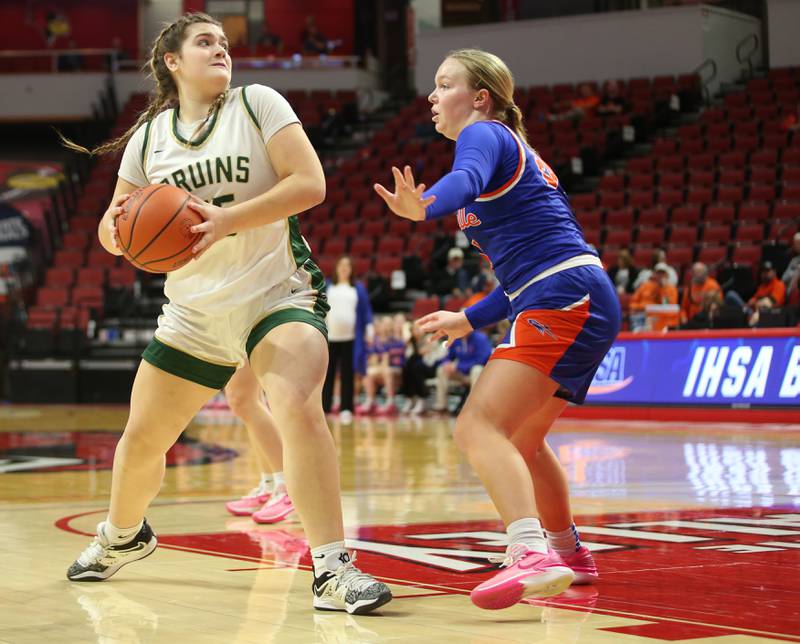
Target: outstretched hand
445, 324
406, 200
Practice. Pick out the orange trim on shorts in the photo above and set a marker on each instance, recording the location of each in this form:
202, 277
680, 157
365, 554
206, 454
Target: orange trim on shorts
541, 337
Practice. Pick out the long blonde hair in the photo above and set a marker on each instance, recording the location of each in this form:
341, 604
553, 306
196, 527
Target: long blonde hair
487, 71
166, 92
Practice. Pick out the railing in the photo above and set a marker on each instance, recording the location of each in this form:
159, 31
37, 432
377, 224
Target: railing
711, 65
745, 54
92, 60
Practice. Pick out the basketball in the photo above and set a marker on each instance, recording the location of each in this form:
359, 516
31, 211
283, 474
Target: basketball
154, 228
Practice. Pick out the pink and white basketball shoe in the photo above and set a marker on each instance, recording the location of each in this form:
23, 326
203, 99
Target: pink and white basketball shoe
582, 564
526, 574
276, 509
249, 503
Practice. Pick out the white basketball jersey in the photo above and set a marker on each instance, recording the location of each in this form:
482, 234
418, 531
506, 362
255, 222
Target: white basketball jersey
225, 163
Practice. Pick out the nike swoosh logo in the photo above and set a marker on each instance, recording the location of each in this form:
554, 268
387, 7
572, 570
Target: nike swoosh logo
139, 546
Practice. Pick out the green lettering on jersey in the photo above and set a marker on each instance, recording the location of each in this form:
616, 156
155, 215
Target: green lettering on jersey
243, 166
225, 168
179, 177
196, 182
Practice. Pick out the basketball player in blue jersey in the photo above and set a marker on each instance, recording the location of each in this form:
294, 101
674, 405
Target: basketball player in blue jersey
552, 287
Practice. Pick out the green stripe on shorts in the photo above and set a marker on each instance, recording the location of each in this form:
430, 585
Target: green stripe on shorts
282, 317
187, 366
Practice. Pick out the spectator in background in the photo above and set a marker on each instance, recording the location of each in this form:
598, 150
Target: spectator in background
268, 38
420, 365
770, 286
453, 280
464, 362
584, 103
482, 284
793, 269
659, 257
70, 62
624, 274
716, 314
611, 102
313, 40
656, 290
694, 292
379, 371
349, 325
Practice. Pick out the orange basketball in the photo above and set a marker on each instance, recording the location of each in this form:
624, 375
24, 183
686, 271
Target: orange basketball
154, 228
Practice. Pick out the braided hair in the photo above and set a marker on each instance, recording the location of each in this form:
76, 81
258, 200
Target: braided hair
165, 96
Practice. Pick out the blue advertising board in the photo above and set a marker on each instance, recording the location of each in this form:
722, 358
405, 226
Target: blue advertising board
695, 369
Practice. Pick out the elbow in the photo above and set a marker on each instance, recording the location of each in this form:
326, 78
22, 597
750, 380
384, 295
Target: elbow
316, 191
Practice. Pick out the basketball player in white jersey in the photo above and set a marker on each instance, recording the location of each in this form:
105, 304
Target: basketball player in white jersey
252, 293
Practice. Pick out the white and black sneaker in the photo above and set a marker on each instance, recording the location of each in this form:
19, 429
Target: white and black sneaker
102, 559
349, 589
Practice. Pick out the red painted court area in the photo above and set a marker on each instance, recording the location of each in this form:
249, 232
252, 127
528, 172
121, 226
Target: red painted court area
674, 570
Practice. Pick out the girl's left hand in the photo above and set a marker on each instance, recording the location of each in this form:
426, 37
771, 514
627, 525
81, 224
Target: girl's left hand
406, 200
215, 227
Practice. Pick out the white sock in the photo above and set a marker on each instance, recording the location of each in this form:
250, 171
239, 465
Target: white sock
117, 535
528, 532
566, 542
279, 481
266, 484
329, 558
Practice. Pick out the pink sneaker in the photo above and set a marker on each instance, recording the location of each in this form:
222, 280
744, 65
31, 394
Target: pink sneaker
527, 574
365, 410
582, 564
247, 504
389, 409
274, 510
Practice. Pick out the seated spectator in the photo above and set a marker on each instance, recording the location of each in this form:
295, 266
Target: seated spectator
268, 38
313, 40
716, 314
770, 286
378, 370
624, 273
791, 121
464, 363
793, 269
453, 280
584, 103
693, 293
659, 257
612, 101
420, 365
656, 290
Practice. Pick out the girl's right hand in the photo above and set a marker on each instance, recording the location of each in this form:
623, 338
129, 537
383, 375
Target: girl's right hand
445, 324
110, 219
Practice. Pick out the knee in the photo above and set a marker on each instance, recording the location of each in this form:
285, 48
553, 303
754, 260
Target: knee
141, 443
242, 405
467, 431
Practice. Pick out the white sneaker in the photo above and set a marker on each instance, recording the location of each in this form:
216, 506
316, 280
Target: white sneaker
102, 559
349, 589
419, 407
346, 417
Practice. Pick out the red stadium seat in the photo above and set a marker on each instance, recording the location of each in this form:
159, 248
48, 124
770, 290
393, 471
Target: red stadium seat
650, 236
667, 197
753, 212
88, 296
701, 178
386, 265
731, 177
374, 228
749, 232
590, 219
622, 218
685, 215
362, 247
617, 238
423, 306
391, 246
720, 214
761, 192
68, 258
642, 181
747, 254
333, 246
612, 199
640, 198
671, 180
730, 194
91, 276
52, 298
685, 235
654, 216
60, 277
712, 233
712, 254
699, 196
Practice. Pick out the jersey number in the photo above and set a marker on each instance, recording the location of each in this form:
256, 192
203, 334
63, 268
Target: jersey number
548, 175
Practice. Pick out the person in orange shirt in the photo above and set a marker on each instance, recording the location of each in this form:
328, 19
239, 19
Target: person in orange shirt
694, 292
770, 287
656, 290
